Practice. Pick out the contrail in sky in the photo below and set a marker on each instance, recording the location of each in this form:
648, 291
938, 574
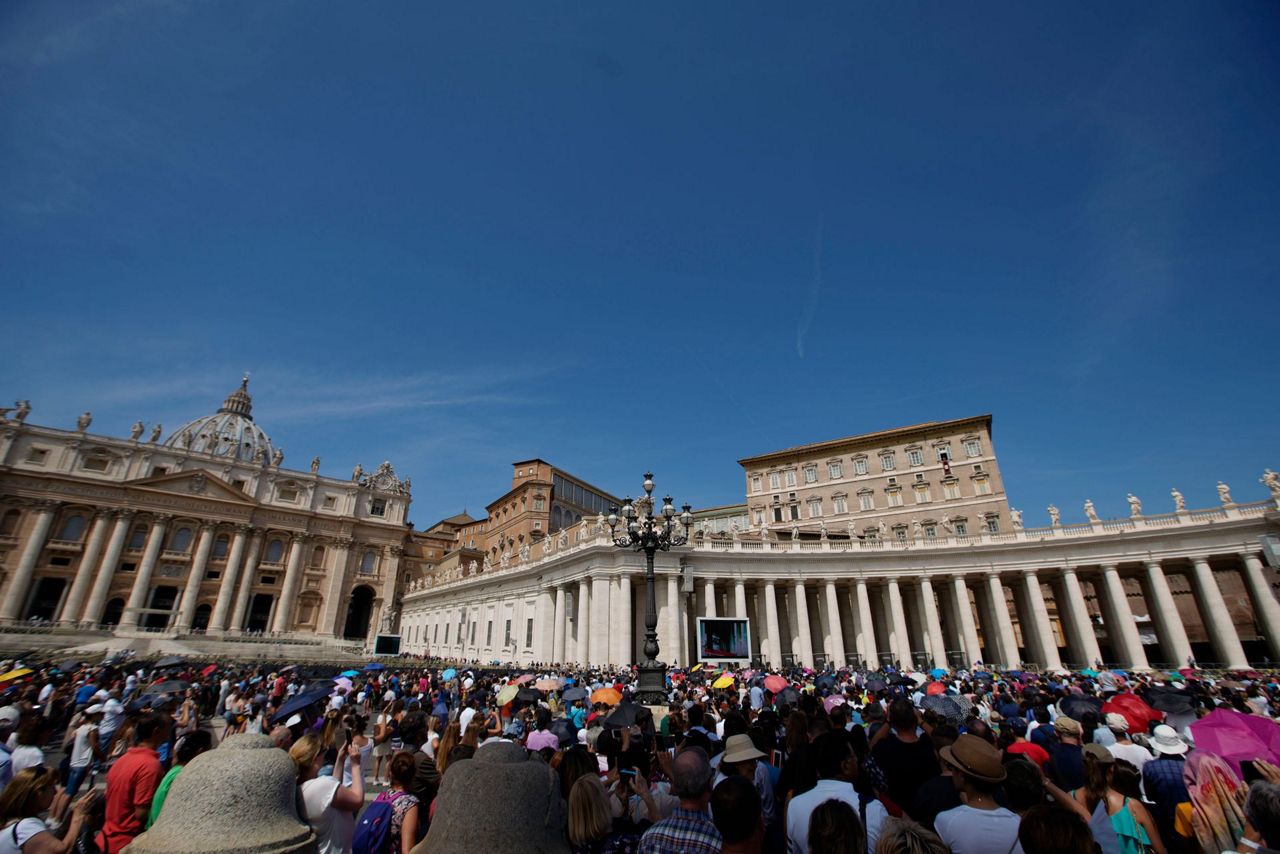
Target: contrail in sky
815, 286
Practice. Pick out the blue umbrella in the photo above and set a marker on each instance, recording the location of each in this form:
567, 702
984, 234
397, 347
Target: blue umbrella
937, 673
350, 674
375, 665
448, 674
301, 701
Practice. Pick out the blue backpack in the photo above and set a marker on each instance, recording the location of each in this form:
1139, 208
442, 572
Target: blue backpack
373, 833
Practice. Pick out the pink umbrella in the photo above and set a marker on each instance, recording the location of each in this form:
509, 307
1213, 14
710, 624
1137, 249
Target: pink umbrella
528, 677
1230, 735
774, 683
832, 701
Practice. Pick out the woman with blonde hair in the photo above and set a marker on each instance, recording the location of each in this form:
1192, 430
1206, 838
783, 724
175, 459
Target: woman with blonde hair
903, 836
31, 792
448, 741
432, 739
477, 731
591, 824
328, 806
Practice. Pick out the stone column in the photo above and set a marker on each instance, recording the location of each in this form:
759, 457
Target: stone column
191, 593
1173, 635
932, 625
669, 637
900, 641
107, 569
142, 582
600, 620
805, 653
1264, 601
70, 613
1038, 626
1007, 645
866, 638
15, 595
836, 650
1085, 639
584, 622
292, 580
334, 601
740, 599
1122, 630
968, 627
1217, 619
622, 622
240, 610
389, 620
709, 598
558, 626
230, 572
774, 652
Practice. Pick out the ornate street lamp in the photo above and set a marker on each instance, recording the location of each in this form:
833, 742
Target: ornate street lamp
650, 534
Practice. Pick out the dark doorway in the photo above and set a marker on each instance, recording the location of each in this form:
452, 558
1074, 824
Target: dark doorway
358, 613
114, 610
259, 612
44, 604
201, 621
163, 598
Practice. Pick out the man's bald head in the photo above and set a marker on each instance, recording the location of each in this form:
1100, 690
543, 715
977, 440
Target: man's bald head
691, 774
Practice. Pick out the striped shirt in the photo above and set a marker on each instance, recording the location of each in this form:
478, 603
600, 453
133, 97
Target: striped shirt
683, 832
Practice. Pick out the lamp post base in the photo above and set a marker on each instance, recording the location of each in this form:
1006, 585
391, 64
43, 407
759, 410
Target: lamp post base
651, 688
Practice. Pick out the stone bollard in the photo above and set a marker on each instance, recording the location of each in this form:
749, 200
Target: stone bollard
238, 799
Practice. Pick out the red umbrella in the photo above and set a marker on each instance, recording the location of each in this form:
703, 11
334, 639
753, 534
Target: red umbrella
935, 688
208, 670
774, 683
1134, 710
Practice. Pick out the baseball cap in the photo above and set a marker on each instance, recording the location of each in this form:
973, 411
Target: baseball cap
9, 716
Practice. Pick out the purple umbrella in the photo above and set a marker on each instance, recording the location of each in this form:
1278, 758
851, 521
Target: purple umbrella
1232, 736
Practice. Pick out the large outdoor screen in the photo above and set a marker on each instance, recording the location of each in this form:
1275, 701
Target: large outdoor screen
722, 639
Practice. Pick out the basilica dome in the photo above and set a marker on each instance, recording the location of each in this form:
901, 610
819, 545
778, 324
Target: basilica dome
230, 432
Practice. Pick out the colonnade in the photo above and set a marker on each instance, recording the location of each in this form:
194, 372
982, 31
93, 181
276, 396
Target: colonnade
1073, 616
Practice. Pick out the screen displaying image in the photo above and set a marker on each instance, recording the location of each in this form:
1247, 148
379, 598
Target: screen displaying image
720, 639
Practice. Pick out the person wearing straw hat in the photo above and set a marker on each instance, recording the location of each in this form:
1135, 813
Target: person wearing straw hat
1162, 778
979, 824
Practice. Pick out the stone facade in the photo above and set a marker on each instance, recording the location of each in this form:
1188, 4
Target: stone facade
203, 532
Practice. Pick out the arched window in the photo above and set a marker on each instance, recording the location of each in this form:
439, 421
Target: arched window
138, 538
9, 523
275, 551
317, 556
368, 562
181, 540
220, 546
72, 529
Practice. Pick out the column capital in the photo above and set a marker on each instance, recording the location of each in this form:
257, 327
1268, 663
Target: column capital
343, 542
161, 518
1152, 563
104, 513
208, 526
45, 505
1110, 567
395, 550
242, 528
126, 513
299, 537
1200, 560
991, 574
1029, 573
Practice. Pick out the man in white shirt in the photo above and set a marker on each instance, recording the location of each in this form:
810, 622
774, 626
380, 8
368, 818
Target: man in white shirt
464, 719
979, 825
837, 768
1125, 749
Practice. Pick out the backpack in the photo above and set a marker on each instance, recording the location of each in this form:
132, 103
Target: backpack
373, 833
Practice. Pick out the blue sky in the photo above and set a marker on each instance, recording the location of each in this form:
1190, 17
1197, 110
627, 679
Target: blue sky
621, 236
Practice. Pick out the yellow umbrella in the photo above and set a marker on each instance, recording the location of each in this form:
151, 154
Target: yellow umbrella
725, 681
15, 674
696, 667
507, 694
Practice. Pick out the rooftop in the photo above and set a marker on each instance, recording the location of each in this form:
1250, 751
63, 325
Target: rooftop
877, 436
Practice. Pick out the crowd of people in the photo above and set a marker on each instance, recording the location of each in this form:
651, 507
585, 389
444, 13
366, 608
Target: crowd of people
408, 757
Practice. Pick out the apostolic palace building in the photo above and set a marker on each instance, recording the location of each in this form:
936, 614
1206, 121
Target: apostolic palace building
890, 547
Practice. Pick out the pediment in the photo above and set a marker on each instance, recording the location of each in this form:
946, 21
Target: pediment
193, 483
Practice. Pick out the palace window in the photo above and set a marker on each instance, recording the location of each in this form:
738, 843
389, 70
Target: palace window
860, 466
871, 533
841, 504
930, 531
220, 546
330, 502
378, 507
791, 477
993, 524
777, 514
181, 540
72, 529
275, 551
922, 493
138, 538
288, 494
472, 634
835, 471
775, 480
528, 633
757, 516
795, 512
756, 484
894, 496
317, 556
942, 452
972, 448
866, 500
810, 474
815, 508
508, 641
900, 533
981, 486
914, 457
886, 462
951, 489
435, 634
96, 463
37, 456
488, 634
962, 529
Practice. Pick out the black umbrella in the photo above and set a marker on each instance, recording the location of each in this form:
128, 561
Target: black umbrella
171, 661
171, 686
528, 695
1170, 700
946, 707
984, 676
563, 730
67, 666
624, 714
875, 683
789, 695
1075, 705
902, 679
577, 692
148, 701
826, 680
301, 701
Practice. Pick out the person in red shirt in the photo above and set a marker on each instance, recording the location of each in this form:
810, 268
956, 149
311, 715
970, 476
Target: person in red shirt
132, 783
1021, 747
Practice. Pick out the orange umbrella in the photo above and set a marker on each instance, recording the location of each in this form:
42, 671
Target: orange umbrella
608, 696
935, 688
